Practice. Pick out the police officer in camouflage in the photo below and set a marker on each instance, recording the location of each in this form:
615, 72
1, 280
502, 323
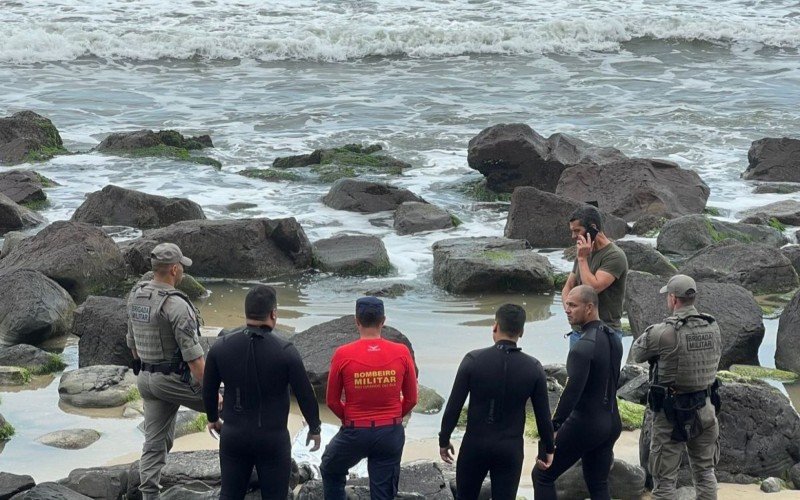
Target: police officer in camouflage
163, 335
684, 353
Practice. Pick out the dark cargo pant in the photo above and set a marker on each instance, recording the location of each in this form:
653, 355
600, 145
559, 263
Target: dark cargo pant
162, 395
665, 456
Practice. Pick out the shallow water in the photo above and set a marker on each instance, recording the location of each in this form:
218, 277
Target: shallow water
690, 81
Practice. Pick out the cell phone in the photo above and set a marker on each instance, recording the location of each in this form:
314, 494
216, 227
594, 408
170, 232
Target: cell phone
214, 434
592, 231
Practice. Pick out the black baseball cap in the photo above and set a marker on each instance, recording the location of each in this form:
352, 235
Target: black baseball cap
367, 305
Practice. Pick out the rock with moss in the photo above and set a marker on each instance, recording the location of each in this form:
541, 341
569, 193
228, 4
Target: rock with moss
164, 143
33, 308
415, 217
776, 188
429, 402
393, 291
14, 216
101, 386
648, 225
6, 429
477, 190
759, 268
79, 257
737, 313
645, 258
352, 255
35, 360
14, 375
117, 206
349, 160
24, 186
631, 414
367, 197
27, 137
70, 439
764, 373
785, 211
483, 265
686, 235
270, 174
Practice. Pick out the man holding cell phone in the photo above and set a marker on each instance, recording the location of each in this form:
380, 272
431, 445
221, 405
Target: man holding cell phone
600, 264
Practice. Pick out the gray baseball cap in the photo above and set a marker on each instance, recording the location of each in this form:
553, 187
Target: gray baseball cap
681, 286
168, 253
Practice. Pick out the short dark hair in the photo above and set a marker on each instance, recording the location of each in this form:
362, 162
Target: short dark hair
587, 295
370, 318
510, 319
588, 215
260, 301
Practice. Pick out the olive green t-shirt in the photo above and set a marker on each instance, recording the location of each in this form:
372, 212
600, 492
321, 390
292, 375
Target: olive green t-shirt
612, 260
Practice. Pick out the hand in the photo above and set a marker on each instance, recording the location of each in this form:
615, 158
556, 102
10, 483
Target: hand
544, 465
317, 441
584, 246
447, 453
214, 426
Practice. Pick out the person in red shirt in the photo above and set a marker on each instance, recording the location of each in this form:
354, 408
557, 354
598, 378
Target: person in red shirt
379, 382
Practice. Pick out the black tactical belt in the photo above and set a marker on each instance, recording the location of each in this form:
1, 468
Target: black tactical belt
165, 368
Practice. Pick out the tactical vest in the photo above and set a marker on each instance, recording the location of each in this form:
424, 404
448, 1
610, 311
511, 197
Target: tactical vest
692, 365
152, 334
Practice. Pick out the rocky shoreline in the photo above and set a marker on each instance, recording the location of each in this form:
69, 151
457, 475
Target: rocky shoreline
71, 277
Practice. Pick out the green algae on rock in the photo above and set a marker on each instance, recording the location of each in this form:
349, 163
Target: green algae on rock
350, 160
163, 144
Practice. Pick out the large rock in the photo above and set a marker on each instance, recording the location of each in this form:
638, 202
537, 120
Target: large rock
33, 308
543, 219
735, 309
238, 248
116, 206
11, 240
635, 390
367, 197
11, 484
759, 268
759, 431
689, 234
629, 372
22, 186
792, 252
787, 349
485, 265
108, 483
645, 258
70, 439
625, 481
352, 255
773, 159
785, 212
101, 323
13, 375
429, 401
633, 188
419, 479
102, 386
513, 155
131, 141
27, 136
794, 475
50, 491
414, 217
14, 216
317, 345
79, 257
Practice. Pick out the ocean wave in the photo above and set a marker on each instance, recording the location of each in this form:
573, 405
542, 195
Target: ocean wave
371, 36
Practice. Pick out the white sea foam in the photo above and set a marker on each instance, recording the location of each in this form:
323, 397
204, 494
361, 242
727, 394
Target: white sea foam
324, 31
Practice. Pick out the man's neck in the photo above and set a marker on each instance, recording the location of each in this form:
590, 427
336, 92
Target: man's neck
601, 242
260, 324
164, 281
591, 320
369, 333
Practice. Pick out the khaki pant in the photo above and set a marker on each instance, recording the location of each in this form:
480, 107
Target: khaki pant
665, 456
163, 395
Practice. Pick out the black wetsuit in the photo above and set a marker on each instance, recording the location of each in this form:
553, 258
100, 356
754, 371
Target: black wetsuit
587, 417
257, 368
499, 380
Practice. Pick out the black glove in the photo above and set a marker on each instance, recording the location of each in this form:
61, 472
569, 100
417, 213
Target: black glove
136, 365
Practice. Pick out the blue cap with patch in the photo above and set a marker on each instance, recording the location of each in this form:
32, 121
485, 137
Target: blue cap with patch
366, 305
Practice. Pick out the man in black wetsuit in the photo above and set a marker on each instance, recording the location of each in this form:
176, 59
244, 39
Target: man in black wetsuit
257, 368
499, 381
587, 419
